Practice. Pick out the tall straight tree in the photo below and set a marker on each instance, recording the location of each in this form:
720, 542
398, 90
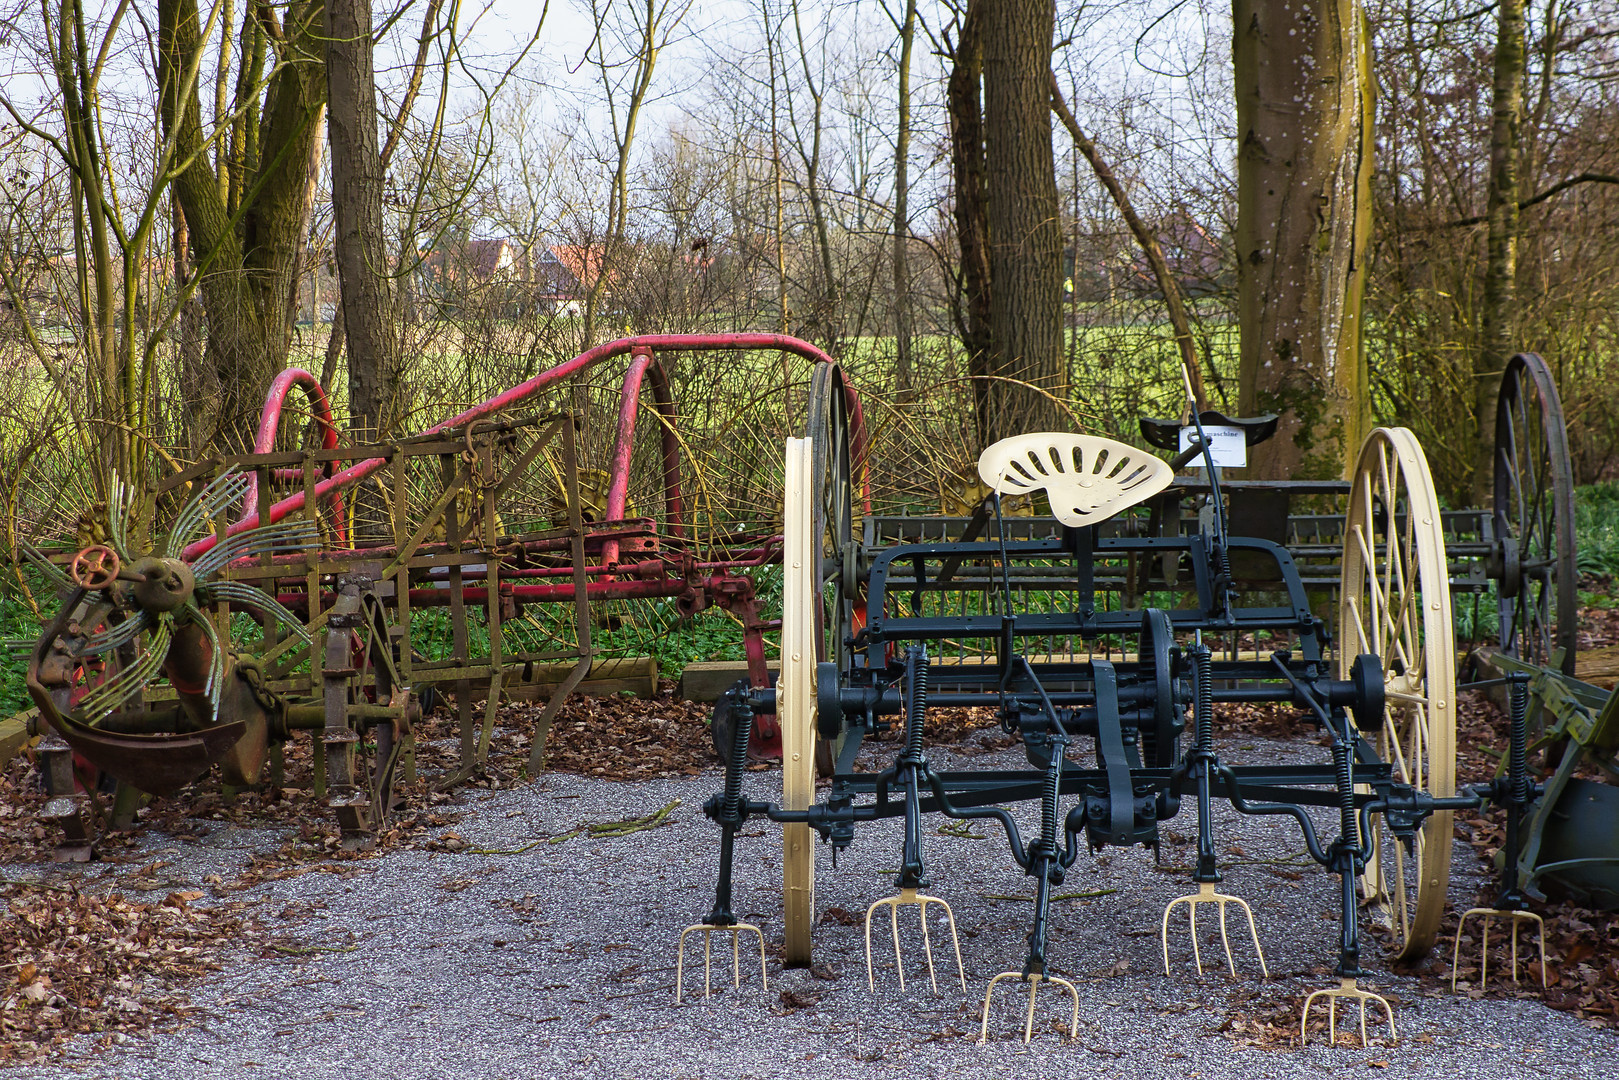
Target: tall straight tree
902, 214
1499, 317
1025, 234
1304, 164
965, 102
369, 321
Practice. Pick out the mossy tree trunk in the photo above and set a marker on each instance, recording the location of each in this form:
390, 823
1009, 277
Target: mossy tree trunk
246, 214
965, 101
1304, 162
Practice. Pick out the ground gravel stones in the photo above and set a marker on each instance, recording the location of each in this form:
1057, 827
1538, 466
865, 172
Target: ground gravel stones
512, 939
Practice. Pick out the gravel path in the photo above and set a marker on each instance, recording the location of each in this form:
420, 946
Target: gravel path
560, 962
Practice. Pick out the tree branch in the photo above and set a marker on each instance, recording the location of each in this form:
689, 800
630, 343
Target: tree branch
1556, 189
1149, 244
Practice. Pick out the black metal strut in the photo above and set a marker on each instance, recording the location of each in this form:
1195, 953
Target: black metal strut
729, 810
912, 769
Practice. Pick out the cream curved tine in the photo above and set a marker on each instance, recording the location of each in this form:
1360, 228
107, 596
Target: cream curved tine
1345, 989
1034, 982
1086, 478
910, 897
709, 929
1206, 894
1485, 914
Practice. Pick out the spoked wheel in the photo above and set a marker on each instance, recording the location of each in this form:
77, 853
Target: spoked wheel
135, 623
818, 611
1395, 594
1534, 518
795, 695
363, 744
832, 504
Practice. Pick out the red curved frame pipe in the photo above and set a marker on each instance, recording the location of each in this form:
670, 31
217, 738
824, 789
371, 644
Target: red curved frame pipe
643, 364
270, 425
650, 342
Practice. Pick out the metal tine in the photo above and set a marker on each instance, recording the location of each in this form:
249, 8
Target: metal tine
1206, 894
1034, 982
124, 632
125, 499
1346, 989
907, 898
1517, 918
225, 489
116, 516
709, 929
251, 596
216, 657
102, 700
283, 536
46, 567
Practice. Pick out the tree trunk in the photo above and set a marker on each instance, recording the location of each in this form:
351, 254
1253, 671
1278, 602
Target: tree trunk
1304, 160
1025, 234
1499, 318
247, 264
369, 326
902, 213
965, 103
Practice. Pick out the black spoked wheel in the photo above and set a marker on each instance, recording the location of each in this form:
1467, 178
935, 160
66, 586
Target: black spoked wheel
1534, 517
833, 472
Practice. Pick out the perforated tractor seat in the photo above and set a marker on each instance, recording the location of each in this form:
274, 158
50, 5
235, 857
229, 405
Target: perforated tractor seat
1087, 479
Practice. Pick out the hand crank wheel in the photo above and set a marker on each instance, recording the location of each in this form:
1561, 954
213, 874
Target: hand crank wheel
1534, 514
1395, 602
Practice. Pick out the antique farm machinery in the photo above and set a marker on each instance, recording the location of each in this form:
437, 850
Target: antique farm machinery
1511, 564
1562, 827
354, 579
1035, 628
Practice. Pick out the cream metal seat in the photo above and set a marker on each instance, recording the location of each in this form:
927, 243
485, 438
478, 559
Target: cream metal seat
1087, 479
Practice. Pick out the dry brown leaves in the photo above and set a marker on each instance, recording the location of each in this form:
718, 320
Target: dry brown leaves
75, 963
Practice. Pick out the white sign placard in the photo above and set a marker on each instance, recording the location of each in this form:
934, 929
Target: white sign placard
1228, 443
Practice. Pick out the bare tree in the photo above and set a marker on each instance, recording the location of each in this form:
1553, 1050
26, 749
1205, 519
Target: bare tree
370, 322
245, 228
906, 25
1500, 314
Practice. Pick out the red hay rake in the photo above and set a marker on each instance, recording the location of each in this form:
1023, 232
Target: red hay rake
487, 556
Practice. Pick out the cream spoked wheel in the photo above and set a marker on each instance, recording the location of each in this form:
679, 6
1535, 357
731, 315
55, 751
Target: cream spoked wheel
1395, 603
795, 696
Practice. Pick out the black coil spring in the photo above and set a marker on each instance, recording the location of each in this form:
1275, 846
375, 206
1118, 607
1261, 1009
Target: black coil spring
1343, 766
1048, 804
917, 668
742, 714
1518, 764
1203, 661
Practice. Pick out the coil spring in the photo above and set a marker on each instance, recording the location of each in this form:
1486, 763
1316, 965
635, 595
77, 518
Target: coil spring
1203, 661
742, 713
1518, 764
1048, 803
1343, 766
916, 667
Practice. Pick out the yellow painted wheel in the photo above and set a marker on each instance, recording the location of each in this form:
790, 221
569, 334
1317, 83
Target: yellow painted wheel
1395, 603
